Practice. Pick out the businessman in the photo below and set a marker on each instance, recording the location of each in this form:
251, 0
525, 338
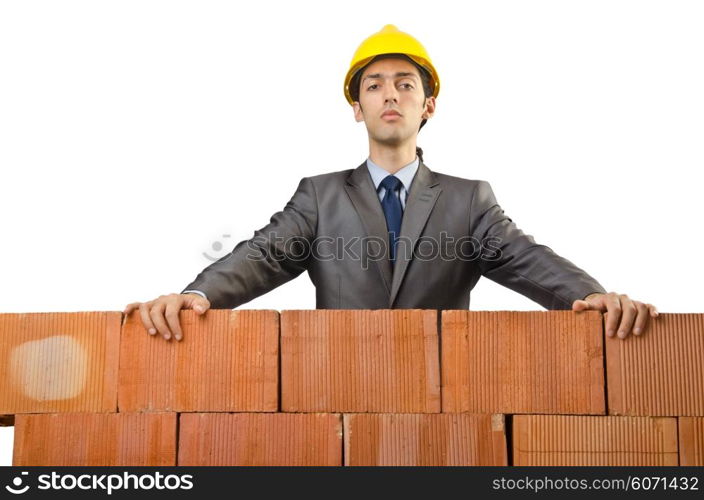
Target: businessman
392, 233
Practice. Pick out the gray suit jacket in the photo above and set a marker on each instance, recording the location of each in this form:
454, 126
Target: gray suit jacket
453, 232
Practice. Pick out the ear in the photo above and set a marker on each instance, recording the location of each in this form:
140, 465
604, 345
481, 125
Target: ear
429, 107
358, 113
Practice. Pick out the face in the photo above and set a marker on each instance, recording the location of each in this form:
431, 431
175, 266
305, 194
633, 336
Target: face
391, 101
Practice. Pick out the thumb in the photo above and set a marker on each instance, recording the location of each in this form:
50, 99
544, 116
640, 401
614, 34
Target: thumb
581, 305
199, 304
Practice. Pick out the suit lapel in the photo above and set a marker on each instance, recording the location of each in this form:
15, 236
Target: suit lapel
421, 200
360, 189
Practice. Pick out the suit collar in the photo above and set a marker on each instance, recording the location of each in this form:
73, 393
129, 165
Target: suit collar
423, 194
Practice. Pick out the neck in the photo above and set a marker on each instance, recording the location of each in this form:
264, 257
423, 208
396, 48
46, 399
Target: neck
392, 158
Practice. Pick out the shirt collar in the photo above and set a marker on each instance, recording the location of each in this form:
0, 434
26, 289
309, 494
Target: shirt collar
405, 175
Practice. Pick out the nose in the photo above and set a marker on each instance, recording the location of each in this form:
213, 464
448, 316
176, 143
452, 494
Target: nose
390, 93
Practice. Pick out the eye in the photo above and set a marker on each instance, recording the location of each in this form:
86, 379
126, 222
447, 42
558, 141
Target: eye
372, 85
409, 85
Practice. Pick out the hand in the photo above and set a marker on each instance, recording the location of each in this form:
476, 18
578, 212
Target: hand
163, 312
631, 313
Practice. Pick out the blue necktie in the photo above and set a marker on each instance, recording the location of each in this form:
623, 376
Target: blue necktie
392, 211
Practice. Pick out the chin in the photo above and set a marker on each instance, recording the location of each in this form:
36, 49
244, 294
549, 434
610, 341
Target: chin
391, 138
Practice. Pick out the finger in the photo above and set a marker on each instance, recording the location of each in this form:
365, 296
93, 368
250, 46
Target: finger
628, 316
130, 307
641, 319
653, 310
157, 315
613, 313
172, 317
146, 320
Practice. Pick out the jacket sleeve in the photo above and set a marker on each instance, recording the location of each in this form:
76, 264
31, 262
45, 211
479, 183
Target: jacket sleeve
277, 253
513, 259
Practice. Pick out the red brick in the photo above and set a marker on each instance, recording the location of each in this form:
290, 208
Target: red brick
691, 438
56, 362
265, 439
522, 362
360, 361
423, 440
660, 372
226, 361
95, 439
589, 440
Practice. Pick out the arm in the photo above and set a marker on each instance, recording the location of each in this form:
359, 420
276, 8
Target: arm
513, 259
274, 255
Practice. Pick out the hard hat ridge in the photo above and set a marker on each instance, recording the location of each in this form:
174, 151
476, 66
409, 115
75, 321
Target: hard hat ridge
389, 40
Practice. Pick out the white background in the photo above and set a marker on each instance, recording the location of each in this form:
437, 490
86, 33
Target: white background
134, 135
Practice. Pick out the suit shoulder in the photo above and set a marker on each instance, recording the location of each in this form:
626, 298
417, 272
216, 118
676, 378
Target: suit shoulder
327, 177
461, 183
472, 191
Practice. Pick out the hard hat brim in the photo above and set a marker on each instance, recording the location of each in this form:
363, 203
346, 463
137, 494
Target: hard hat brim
425, 64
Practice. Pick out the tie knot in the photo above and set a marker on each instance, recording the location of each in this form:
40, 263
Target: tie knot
391, 183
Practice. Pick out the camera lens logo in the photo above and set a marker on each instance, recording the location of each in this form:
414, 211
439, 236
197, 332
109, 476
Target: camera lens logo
216, 246
17, 482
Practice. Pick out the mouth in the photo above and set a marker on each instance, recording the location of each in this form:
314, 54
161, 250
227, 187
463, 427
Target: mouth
390, 115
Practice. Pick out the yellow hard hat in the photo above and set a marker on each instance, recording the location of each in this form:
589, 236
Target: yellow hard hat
390, 41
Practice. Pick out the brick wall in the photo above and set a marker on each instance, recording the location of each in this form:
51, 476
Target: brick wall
352, 387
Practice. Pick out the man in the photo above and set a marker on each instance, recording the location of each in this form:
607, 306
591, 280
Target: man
391, 233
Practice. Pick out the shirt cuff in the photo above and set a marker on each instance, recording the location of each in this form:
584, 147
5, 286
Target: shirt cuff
196, 291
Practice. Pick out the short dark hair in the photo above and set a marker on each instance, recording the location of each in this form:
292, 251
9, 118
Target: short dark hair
425, 78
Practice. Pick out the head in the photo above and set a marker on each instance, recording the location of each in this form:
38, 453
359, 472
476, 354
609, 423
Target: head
392, 82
